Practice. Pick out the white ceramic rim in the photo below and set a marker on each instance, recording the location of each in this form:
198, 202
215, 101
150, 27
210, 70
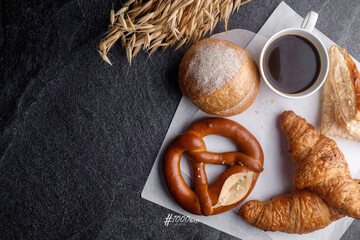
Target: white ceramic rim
324, 61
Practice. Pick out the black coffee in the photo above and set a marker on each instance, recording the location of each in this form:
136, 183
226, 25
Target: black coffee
291, 64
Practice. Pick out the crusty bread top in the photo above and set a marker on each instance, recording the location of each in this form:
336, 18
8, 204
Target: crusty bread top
219, 77
209, 65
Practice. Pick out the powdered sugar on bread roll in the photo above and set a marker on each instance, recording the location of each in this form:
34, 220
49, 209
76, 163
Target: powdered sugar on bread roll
219, 77
213, 65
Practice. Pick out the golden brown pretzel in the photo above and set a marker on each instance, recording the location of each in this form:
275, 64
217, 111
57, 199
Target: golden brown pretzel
213, 198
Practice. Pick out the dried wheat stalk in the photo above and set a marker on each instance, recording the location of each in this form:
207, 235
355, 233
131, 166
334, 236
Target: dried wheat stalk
160, 23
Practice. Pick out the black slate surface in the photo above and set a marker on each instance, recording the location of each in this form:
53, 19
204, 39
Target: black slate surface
78, 137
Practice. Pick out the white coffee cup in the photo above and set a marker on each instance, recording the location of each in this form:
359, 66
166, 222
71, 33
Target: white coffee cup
305, 32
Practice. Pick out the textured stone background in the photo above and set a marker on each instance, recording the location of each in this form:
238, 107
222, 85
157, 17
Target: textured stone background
78, 138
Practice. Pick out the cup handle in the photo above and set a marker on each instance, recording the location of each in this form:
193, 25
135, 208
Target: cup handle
309, 21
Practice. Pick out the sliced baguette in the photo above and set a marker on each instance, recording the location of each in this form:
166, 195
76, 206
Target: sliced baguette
341, 105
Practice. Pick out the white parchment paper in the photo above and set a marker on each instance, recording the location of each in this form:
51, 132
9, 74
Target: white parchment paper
262, 120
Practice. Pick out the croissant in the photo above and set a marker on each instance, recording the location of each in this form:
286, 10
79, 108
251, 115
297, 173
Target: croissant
320, 165
301, 211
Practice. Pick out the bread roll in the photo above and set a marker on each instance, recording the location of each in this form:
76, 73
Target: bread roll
219, 77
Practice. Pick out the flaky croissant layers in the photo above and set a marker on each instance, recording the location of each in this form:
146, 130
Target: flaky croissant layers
300, 211
320, 165
326, 191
